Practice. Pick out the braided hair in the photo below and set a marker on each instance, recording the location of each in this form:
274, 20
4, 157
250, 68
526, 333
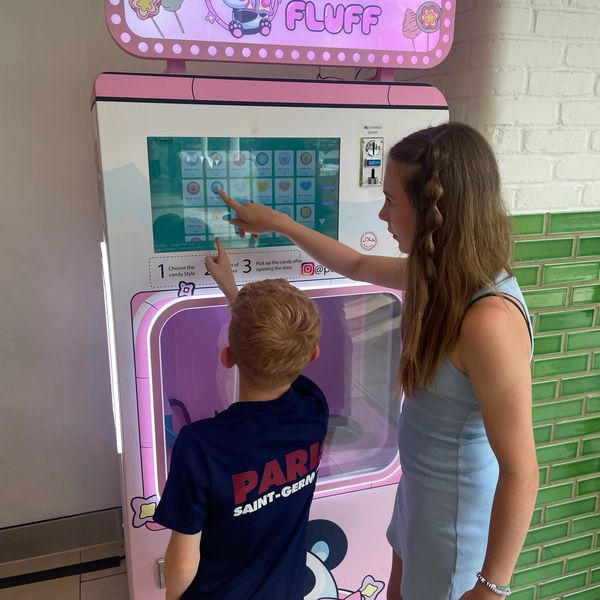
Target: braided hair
462, 240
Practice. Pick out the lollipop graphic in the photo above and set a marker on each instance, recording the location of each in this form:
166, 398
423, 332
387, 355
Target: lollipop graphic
148, 9
410, 29
173, 6
428, 18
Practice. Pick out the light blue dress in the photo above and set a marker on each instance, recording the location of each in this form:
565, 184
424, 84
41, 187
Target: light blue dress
441, 517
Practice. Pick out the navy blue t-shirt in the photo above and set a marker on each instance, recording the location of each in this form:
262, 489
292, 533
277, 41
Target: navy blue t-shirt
246, 478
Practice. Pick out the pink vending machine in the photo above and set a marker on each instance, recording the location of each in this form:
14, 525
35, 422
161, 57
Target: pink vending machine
312, 149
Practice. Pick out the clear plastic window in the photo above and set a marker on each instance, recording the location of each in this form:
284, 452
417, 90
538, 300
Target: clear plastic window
357, 369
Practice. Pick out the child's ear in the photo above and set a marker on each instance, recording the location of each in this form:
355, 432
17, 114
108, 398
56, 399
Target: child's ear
227, 357
316, 353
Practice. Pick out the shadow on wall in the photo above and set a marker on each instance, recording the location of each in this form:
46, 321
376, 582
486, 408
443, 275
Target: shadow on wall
468, 90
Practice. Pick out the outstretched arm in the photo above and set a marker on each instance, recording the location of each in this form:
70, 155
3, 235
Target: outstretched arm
379, 270
220, 269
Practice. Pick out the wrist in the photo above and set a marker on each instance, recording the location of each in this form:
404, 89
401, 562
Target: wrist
492, 589
484, 593
284, 224
230, 292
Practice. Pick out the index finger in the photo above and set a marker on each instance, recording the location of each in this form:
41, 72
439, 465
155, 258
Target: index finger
229, 200
220, 248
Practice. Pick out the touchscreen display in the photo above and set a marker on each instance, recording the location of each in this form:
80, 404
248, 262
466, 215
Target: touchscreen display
296, 176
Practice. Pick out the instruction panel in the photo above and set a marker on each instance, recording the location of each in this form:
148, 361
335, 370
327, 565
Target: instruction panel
264, 263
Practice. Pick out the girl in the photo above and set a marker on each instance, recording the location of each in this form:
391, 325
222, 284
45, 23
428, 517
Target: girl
469, 469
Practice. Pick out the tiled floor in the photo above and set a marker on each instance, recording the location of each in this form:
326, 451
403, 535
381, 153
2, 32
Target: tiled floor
109, 584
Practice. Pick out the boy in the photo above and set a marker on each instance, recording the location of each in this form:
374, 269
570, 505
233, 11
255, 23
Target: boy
240, 484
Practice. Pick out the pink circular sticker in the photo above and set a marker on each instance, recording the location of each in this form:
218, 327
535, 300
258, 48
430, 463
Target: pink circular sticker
368, 240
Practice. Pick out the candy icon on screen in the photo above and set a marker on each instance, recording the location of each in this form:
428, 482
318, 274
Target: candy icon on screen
285, 185
305, 162
262, 158
286, 210
193, 187
193, 192
305, 189
306, 212
306, 158
262, 186
192, 159
216, 158
239, 159
215, 186
285, 158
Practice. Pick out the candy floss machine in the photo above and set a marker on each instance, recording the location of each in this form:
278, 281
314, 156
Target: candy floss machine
314, 150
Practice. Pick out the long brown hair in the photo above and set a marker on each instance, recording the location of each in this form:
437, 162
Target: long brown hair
462, 240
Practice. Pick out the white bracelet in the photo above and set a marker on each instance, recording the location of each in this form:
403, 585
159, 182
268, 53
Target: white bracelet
501, 591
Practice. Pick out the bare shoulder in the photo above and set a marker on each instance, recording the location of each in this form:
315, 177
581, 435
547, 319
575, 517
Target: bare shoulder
491, 327
492, 313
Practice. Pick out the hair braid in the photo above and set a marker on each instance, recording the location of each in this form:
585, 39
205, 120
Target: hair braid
433, 193
462, 240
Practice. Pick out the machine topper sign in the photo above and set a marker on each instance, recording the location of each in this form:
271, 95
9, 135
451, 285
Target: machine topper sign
363, 33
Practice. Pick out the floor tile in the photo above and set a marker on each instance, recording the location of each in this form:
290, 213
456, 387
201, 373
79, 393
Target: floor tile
103, 551
108, 588
42, 563
57, 589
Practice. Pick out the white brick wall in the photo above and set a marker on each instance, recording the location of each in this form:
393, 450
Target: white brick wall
526, 73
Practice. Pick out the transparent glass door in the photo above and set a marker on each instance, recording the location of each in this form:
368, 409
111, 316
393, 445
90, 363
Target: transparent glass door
356, 370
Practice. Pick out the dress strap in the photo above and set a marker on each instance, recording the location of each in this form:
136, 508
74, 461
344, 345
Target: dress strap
512, 300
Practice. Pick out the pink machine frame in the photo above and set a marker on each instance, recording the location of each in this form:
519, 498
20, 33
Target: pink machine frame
152, 313
386, 34
152, 316
362, 574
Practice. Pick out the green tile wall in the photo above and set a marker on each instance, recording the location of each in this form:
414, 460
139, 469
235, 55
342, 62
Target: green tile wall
538, 249
526, 275
587, 594
583, 339
573, 222
571, 272
544, 390
560, 366
547, 298
557, 264
588, 486
586, 294
589, 246
547, 344
593, 404
527, 224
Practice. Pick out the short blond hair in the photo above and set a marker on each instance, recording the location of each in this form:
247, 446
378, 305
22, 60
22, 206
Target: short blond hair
274, 330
